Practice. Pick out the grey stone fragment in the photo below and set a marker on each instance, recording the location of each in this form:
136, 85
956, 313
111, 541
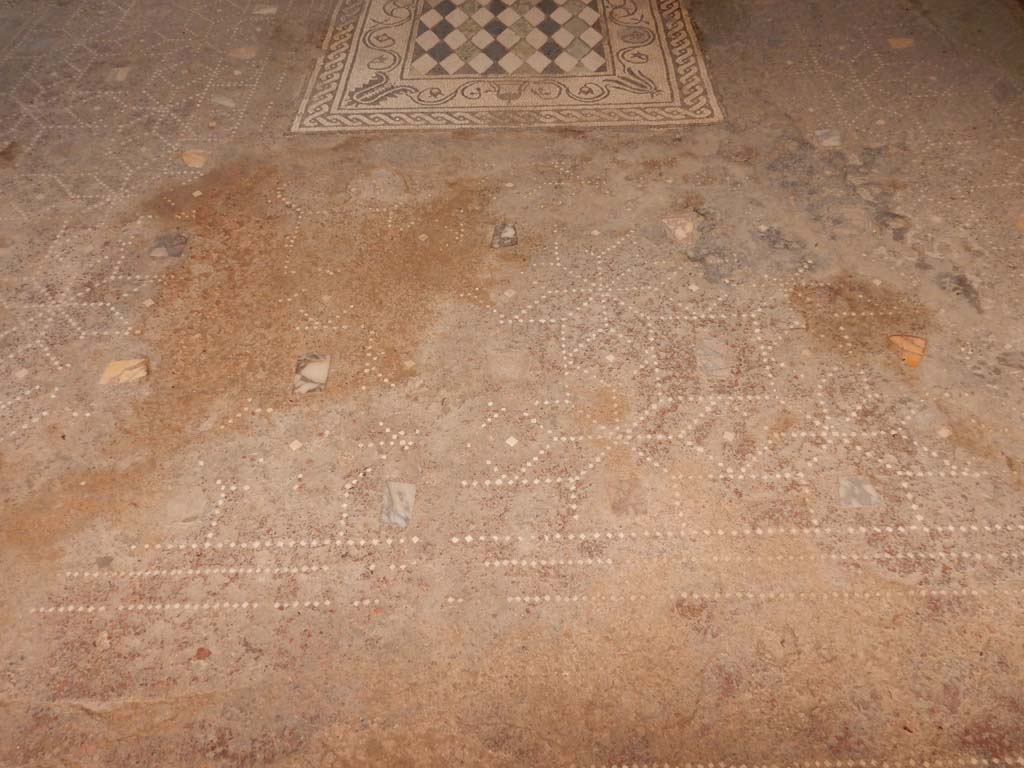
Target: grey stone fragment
169, 246
959, 285
857, 492
829, 138
504, 236
897, 224
398, 501
714, 357
777, 240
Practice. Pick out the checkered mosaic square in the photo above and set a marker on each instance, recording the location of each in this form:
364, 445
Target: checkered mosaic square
508, 37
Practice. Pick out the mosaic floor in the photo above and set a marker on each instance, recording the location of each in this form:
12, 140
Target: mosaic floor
694, 447
445, 64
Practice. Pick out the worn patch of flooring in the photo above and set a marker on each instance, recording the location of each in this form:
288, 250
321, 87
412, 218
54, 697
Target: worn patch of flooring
584, 447
446, 64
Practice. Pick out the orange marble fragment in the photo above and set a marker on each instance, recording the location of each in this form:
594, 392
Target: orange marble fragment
911, 348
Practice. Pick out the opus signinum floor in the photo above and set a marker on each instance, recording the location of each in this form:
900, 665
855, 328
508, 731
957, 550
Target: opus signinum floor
661, 435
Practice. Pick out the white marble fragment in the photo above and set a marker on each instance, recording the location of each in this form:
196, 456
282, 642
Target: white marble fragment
311, 372
398, 501
857, 492
682, 228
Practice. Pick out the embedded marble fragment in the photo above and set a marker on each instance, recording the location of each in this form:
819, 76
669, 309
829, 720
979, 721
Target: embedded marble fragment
910, 348
857, 492
125, 371
504, 236
828, 138
311, 372
398, 501
714, 357
683, 228
194, 158
168, 246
